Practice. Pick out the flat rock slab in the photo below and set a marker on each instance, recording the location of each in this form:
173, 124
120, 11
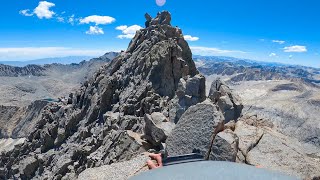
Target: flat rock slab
279, 154
248, 136
194, 130
116, 171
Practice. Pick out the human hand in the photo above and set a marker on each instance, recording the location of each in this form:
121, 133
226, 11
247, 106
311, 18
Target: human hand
151, 164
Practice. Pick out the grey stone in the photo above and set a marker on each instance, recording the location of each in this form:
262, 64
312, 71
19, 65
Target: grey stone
277, 152
157, 129
195, 129
28, 167
249, 136
228, 102
117, 171
191, 90
225, 146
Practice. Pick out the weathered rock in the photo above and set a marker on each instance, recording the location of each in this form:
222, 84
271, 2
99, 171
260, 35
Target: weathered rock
230, 125
157, 128
9, 144
228, 102
225, 146
117, 171
28, 167
249, 136
277, 152
195, 129
190, 92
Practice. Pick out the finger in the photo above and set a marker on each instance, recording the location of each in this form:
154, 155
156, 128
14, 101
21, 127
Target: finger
158, 158
151, 165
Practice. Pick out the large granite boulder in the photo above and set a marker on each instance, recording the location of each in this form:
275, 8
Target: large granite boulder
197, 128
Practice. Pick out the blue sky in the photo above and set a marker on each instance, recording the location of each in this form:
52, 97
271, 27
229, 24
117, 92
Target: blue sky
273, 30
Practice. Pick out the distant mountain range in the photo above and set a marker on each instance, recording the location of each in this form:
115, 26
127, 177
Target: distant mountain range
242, 61
60, 60
246, 70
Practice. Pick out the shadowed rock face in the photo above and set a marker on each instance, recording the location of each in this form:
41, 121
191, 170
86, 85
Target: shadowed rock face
103, 121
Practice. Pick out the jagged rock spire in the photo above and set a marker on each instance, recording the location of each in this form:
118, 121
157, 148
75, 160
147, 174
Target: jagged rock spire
162, 18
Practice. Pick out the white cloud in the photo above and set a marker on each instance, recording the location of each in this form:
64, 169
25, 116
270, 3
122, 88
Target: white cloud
71, 19
43, 10
128, 32
190, 38
29, 53
295, 48
60, 19
95, 30
125, 36
97, 20
121, 28
278, 41
272, 54
207, 51
26, 12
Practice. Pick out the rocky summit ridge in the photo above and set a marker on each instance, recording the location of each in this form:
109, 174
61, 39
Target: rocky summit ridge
150, 97
103, 122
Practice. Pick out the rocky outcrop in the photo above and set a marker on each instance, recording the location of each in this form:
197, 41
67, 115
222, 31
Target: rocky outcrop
104, 122
8, 144
19, 122
6, 113
200, 130
157, 127
117, 171
263, 146
228, 102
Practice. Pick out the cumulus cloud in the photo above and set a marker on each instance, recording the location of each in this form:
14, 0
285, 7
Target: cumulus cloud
190, 38
208, 51
28, 53
278, 41
43, 10
95, 30
295, 48
97, 20
26, 12
272, 54
128, 32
